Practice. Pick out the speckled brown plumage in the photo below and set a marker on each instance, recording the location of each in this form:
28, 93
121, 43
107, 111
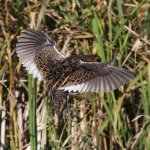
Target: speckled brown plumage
75, 73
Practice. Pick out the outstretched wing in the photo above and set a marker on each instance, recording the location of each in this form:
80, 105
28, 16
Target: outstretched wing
95, 77
33, 43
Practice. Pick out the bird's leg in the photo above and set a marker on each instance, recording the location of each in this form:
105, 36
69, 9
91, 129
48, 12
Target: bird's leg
59, 101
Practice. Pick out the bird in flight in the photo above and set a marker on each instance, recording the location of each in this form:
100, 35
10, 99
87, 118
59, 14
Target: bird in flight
78, 73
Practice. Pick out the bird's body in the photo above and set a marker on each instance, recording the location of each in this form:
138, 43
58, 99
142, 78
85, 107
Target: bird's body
74, 73
60, 73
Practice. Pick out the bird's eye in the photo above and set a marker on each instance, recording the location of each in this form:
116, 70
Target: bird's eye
51, 42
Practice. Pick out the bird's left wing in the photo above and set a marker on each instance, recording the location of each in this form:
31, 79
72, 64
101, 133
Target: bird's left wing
34, 49
29, 43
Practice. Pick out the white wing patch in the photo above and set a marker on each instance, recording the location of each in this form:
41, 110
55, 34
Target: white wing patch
90, 85
32, 69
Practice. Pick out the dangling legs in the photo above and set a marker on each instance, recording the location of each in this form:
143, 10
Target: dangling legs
59, 101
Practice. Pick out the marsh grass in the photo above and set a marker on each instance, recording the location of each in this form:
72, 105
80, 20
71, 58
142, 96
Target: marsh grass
119, 32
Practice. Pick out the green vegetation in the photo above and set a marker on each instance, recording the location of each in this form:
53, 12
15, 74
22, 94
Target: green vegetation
119, 32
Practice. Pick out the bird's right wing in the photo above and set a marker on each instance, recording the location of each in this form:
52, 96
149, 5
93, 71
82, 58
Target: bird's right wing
96, 77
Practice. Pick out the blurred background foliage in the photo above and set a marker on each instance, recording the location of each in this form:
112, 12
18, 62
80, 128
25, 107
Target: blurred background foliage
119, 32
